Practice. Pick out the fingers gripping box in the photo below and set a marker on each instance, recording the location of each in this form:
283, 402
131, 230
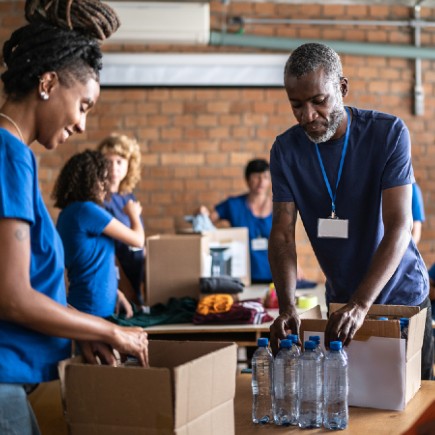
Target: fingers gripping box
384, 369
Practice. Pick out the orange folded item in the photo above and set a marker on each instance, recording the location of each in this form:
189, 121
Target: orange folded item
213, 304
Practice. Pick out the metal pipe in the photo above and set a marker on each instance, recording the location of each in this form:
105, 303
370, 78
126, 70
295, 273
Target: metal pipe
418, 84
344, 47
404, 23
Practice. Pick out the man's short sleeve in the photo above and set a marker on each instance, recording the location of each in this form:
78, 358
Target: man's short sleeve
281, 189
398, 169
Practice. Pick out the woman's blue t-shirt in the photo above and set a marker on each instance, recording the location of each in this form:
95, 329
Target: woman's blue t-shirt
236, 211
132, 260
27, 356
378, 158
89, 258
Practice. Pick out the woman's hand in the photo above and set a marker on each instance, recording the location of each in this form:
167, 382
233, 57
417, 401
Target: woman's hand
122, 303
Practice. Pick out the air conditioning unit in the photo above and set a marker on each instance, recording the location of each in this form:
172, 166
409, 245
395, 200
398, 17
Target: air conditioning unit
162, 22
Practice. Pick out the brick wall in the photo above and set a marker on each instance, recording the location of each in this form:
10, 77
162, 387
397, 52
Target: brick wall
195, 142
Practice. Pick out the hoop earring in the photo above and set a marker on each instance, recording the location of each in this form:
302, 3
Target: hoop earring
44, 95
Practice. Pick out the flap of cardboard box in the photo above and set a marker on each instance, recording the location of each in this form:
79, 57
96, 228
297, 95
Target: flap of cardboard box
113, 396
204, 383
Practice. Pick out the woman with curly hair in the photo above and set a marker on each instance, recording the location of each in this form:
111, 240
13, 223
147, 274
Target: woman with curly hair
51, 82
124, 154
88, 233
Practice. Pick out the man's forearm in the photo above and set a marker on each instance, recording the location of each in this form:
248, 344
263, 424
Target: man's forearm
384, 263
282, 259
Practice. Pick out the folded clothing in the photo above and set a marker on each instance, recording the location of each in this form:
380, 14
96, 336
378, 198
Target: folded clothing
221, 284
249, 312
177, 310
214, 304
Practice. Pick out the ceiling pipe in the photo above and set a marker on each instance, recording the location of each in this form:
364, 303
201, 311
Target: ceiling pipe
342, 47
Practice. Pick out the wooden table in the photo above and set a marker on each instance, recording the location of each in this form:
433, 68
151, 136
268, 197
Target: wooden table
362, 421
243, 335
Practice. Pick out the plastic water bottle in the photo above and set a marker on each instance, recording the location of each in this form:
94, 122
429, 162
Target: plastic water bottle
310, 387
404, 324
262, 382
336, 414
286, 385
295, 339
316, 339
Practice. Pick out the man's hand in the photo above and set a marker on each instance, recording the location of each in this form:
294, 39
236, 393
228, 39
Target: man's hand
343, 323
287, 322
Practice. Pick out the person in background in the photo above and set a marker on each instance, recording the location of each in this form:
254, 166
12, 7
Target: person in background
417, 212
348, 173
51, 82
88, 233
254, 211
124, 155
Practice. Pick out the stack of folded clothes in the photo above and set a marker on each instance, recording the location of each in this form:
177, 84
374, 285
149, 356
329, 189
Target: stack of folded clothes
222, 309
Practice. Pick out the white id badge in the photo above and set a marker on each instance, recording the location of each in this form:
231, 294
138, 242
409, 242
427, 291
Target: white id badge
333, 228
259, 244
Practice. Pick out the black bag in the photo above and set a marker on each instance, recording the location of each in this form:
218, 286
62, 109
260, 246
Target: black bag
221, 284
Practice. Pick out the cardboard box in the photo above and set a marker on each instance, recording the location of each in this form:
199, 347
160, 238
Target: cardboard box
189, 389
384, 369
175, 262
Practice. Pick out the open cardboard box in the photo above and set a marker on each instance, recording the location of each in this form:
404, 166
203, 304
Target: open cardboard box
188, 389
384, 369
175, 262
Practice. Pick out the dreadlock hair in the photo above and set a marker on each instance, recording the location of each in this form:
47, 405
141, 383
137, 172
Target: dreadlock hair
127, 148
62, 36
84, 177
312, 56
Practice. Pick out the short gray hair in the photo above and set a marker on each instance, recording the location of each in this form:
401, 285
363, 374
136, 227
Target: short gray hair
312, 56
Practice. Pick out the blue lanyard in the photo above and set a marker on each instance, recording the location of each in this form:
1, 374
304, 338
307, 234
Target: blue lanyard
340, 169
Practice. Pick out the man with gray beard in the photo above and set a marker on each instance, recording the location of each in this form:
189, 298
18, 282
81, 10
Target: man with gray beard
348, 174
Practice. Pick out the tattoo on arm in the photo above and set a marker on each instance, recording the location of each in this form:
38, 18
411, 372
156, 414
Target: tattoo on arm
22, 233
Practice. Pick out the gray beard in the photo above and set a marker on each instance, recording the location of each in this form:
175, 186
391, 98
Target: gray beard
336, 117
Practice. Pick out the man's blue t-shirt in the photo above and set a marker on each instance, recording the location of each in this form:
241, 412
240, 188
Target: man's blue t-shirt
417, 204
89, 258
27, 356
237, 212
378, 158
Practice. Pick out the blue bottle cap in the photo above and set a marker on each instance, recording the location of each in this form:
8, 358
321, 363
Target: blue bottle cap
262, 342
293, 337
315, 338
404, 321
335, 345
310, 345
382, 318
287, 344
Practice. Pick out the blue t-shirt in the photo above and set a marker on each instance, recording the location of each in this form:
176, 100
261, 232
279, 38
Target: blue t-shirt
378, 158
89, 258
131, 259
237, 212
27, 356
417, 204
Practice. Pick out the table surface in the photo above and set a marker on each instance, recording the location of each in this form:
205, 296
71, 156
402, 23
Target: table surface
250, 292
362, 421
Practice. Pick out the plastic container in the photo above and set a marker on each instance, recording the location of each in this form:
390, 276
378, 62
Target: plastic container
262, 383
286, 385
336, 388
295, 339
310, 387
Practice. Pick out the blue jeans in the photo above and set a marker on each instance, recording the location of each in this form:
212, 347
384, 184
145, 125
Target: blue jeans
16, 415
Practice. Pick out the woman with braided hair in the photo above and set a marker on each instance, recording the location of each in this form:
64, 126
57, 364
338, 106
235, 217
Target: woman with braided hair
51, 82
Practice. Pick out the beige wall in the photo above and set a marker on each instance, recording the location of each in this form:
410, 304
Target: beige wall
196, 141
